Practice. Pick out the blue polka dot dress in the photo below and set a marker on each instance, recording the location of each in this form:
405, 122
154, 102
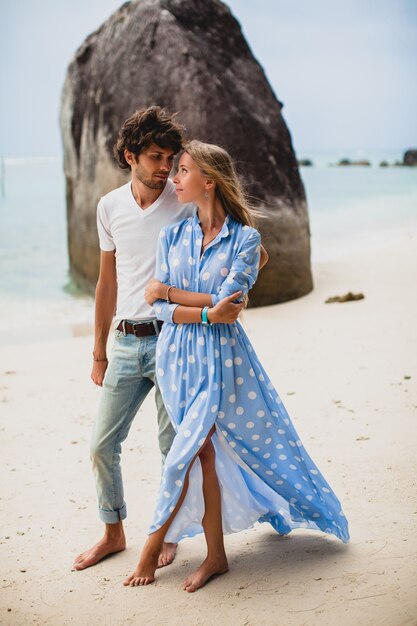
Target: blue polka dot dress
210, 375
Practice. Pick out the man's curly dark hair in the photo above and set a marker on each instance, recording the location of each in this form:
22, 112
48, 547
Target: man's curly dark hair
146, 126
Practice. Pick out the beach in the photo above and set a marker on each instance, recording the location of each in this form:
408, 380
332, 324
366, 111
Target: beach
347, 373
301, 109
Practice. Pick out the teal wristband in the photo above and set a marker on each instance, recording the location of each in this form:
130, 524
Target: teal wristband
204, 318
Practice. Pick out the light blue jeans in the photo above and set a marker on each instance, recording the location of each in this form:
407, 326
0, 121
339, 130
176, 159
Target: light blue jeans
129, 378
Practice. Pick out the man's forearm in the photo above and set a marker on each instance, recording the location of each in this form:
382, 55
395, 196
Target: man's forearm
104, 312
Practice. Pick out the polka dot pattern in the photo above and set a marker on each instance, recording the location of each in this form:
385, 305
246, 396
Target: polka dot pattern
211, 376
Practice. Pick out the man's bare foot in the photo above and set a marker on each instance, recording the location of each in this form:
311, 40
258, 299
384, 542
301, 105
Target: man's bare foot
209, 568
113, 541
144, 573
167, 555
103, 548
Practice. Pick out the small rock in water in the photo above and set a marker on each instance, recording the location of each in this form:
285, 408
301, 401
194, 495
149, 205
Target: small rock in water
410, 157
407, 377
348, 162
348, 297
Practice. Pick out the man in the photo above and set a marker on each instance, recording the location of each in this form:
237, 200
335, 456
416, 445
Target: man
129, 220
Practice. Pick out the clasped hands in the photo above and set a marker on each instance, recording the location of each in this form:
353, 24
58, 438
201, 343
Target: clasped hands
226, 311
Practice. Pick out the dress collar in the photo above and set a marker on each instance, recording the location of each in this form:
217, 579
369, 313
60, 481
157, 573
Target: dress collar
224, 231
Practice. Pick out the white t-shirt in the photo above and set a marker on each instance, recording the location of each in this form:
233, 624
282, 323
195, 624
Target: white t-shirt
133, 232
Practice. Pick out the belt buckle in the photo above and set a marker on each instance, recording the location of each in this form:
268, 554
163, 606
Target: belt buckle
134, 324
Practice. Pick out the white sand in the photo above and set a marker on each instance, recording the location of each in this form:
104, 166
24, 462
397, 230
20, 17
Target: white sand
340, 369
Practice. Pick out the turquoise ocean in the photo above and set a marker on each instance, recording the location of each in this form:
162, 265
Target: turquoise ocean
350, 209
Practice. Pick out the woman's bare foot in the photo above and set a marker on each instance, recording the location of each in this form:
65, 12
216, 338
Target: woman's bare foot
167, 554
144, 573
106, 546
210, 567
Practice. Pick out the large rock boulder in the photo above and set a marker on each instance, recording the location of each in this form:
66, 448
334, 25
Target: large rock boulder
188, 56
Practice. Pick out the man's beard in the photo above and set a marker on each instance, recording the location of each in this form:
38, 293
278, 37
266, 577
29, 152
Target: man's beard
148, 181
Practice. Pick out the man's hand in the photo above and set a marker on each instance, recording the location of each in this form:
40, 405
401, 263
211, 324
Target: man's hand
264, 257
155, 290
98, 371
226, 311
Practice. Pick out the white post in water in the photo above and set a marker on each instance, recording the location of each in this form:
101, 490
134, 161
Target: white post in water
2, 177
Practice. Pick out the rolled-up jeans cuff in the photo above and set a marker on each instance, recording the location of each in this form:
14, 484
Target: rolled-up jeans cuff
112, 517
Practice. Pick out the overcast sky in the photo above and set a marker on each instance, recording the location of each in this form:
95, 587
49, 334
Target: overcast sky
345, 69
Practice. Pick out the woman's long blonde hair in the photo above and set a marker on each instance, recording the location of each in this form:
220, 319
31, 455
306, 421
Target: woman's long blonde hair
217, 165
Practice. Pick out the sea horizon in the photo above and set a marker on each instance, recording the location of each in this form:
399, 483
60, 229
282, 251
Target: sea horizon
350, 209
370, 153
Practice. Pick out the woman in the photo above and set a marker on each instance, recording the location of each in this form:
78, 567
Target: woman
236, 458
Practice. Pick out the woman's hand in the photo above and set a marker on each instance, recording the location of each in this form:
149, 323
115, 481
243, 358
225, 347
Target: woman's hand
226, 311
155, 290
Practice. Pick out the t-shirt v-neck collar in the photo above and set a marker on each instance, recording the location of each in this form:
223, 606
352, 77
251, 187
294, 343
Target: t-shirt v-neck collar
151, 208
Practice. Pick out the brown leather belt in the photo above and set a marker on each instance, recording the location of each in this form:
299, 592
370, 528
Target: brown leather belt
140, 329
